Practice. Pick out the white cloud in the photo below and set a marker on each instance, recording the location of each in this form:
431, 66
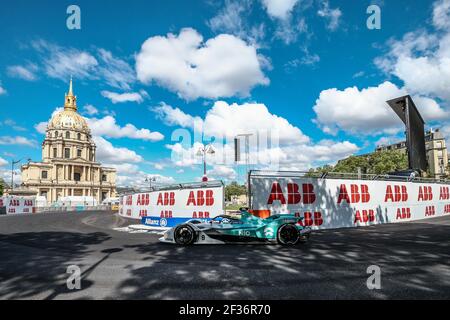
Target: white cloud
220, 172
290, 148
3, 162
131, 175
332, 15
6, 175
27, 72
228, 120
123, 97
223, 66
422, 59
107, 153
280, 9
18, 140
12, 124
60, 62
2, 90
176, 117
90, 110
116, 72
366, 111
232, 19
441, 14
108, 127
99, 64
41, 127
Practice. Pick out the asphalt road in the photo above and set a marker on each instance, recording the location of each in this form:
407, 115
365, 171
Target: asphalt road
35, 251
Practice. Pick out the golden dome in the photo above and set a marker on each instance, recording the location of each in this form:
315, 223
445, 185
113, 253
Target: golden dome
69, 117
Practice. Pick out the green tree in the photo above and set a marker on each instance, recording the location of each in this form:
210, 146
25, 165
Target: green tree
2, 183
383, 162
380, 162
234, 189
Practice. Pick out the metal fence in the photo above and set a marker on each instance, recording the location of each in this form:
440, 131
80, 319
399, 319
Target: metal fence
73, 208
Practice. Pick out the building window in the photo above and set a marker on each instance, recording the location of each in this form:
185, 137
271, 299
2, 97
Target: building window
79, 153
77, 176
67, 135
56, 134
103, 177
44, 174
79, 136
67, 153
55, 153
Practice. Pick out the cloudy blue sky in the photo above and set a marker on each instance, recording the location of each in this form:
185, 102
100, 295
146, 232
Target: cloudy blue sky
156, 79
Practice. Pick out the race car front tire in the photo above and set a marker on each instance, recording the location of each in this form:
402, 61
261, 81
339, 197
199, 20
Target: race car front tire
184, 235
288, 235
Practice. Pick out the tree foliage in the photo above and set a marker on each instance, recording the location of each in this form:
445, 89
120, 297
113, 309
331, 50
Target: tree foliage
2, 184
234, 189
380, 162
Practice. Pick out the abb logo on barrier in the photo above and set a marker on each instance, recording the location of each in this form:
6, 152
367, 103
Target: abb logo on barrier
129, 201
364, 216
166, 199
430, 211
447, 208
143, 199
166, 214
358, 194
203, 198
200, 214
444, 193
14, 203
403, 213
293, 194
425, 193
142, 213
396, 194
310, 220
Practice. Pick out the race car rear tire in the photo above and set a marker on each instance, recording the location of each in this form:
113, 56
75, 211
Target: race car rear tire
288, 235
184, 235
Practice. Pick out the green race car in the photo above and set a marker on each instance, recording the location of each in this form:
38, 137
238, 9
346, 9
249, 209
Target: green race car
286, 229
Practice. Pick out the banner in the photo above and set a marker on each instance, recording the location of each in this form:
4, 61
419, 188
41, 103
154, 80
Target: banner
18, 205
202, 202
337, 203
166, 222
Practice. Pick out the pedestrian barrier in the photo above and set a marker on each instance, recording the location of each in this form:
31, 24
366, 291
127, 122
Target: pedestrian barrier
163, 207
343, 202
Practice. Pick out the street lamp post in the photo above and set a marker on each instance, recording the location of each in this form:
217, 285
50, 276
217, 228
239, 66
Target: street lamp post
13, 163
150, 180
203, 151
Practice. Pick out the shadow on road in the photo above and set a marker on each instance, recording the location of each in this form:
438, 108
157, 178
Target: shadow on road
35, 263
414, 262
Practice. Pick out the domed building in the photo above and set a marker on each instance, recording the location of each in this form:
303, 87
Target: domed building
69, 166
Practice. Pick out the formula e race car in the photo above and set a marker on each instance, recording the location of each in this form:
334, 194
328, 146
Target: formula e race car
282, 228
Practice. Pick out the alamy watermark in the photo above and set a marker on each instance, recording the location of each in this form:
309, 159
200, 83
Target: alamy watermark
374, 280
374, 20
73, 22
252, 147
74, 280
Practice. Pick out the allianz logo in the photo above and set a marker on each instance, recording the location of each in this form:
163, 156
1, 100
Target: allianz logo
152, 221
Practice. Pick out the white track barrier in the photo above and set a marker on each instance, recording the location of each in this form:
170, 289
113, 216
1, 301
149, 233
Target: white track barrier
174, 204
18, 205
338, 203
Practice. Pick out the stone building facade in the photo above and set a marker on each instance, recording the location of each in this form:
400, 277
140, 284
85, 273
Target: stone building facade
69, 166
